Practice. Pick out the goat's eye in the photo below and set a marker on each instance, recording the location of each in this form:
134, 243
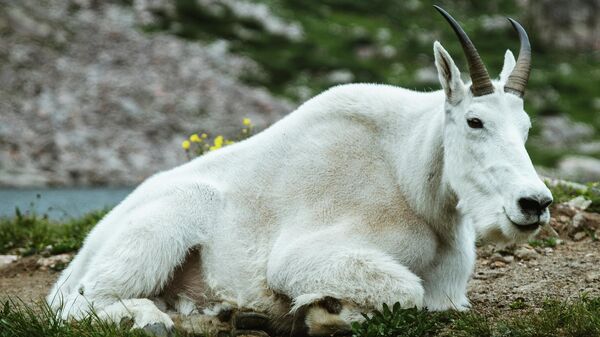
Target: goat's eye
475, 123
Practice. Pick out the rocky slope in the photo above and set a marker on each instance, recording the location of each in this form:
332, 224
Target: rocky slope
87, 98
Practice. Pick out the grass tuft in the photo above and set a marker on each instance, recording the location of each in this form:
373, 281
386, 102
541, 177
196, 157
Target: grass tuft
555, 318
18, 319
28, 234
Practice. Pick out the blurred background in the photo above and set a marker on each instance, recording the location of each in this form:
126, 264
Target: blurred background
95, 95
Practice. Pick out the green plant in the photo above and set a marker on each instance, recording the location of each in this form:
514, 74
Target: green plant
18, 319
398, 322
518, 303
34, 234
565, 192
546, 242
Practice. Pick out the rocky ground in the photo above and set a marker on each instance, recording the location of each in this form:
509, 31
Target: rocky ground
88, 98
562, 263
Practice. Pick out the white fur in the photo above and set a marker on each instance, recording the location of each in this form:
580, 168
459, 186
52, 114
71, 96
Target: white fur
366, 193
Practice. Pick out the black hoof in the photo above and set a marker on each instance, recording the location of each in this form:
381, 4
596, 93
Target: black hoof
244, 320
249, 333
157, 330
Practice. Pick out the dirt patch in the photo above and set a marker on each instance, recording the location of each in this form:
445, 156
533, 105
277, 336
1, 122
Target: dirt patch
23, 279
563, 273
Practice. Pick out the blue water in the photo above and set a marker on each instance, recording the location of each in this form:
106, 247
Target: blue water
60, 203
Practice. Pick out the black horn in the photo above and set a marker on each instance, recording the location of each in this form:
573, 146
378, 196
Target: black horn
482, 84
517, 81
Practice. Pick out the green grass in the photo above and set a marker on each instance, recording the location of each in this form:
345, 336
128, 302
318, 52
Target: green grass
28, 234
564, 193
545, 242
580, 318
18, 319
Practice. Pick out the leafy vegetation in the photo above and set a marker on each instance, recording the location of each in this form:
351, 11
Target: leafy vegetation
18, 319
545, 242
390, 42
33, 234
580, 318
564, 192
554, 318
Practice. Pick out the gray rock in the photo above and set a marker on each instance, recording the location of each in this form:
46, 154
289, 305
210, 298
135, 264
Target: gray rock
87, 98
580, 168
561, 132
579, 236
5, 260
579, 202
525, 253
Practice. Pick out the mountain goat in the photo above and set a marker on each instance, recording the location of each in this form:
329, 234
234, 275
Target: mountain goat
366, 194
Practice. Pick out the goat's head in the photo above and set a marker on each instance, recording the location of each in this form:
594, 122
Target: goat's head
485, 130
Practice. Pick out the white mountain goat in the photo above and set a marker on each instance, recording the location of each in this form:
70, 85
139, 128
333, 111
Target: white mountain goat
366, 194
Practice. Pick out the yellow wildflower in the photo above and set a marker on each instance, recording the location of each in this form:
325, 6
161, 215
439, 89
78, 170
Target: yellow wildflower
194, 138
219, 141
246, 121
204, 136
185, 145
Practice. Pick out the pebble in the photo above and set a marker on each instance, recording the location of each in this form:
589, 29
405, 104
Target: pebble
497, 257
52, 262
497, 264
579, 202
5, 260
525, 253
579, 236
592, 276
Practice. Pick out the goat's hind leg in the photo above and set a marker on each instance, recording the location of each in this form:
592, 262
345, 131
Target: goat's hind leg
331, 283
137, 263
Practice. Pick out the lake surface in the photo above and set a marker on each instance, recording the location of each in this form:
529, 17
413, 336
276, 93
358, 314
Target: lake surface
60, 203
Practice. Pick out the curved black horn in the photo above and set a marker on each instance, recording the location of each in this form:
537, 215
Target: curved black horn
517, 81
482, 84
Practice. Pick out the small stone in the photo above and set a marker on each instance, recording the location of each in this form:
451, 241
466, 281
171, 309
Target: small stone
54, 262
5, 260
592, 276
524, 253
508, 259
578, 220
579, 202
497, 264
497, 257
579, 236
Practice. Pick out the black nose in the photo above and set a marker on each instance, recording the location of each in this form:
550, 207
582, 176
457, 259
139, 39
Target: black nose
534, 205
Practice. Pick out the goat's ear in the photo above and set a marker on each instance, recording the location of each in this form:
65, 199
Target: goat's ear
509, 65
449, 75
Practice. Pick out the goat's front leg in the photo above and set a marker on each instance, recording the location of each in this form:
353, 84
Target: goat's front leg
332, 277
446, 282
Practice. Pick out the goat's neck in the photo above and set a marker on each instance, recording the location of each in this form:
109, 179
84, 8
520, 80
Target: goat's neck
420, 168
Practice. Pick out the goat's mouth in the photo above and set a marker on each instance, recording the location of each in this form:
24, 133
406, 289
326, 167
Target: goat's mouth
526, 227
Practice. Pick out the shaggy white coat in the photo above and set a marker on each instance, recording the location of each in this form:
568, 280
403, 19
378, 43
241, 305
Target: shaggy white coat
367, 193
